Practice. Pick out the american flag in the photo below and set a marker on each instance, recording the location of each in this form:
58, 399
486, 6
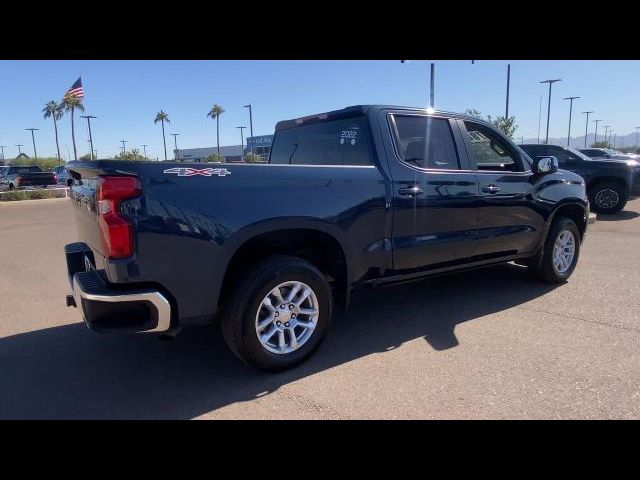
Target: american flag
76, 89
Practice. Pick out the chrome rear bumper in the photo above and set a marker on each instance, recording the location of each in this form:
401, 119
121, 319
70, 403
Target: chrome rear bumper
108, 309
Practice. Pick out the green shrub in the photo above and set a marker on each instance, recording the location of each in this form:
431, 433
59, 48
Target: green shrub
47, 164
253, 158
214, 158
17, 195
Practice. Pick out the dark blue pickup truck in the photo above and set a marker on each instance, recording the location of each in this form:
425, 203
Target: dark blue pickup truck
610, 182
364, 196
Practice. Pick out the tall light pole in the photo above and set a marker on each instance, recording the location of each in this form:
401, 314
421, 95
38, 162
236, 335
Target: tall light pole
89, 117
95, 154
2, 148
175, 144
614, 140
242, 141
550, 82
539, 117
19, 145
571, 99
506, 110
606, 127
250, 123
33, 139
637, 128
432, 85
124, 147
586, 127
144, 148
595, 136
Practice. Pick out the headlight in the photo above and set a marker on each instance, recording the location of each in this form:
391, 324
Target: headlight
633, 163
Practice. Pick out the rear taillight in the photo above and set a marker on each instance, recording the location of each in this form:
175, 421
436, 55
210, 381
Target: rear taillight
117, 231
17, 181
55, 178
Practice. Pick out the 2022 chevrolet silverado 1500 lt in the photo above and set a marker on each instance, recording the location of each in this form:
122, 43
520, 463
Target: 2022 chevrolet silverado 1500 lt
367, 195
610, 182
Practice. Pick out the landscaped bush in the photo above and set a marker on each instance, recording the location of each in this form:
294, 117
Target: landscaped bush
16, 195
46, 164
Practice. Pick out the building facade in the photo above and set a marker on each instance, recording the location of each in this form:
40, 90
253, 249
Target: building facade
260, 144
231, 154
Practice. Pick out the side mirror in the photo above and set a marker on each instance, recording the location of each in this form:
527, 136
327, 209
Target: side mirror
545, 165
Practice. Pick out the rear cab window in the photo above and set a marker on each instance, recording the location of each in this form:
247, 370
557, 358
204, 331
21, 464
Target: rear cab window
425, 142
343, 142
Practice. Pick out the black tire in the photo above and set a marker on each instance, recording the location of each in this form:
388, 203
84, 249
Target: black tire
238, 316
603, 192
546, 271
11, 187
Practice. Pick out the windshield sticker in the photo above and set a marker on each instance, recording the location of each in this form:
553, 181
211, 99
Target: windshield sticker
349, 136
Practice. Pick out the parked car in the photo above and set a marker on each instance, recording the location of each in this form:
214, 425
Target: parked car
62, 176
360, 197
603, 153
20, 177
610, 183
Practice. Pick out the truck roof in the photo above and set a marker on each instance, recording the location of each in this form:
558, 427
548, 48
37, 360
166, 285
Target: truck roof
357, 110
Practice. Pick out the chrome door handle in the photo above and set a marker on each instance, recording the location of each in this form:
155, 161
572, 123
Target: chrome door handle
412, 191
491, 189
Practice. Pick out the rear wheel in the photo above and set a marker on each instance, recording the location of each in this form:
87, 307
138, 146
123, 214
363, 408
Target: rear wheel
561, 251
278, 313
11, 187
607, 197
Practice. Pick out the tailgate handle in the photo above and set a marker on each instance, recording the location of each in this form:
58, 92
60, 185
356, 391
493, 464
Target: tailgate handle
491, 189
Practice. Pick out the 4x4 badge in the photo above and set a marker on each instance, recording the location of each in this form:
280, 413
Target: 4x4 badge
191, 172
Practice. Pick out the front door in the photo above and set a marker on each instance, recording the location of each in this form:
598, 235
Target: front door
509, 221
434, 192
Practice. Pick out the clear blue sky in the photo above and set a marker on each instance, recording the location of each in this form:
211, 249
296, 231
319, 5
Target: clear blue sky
126, 95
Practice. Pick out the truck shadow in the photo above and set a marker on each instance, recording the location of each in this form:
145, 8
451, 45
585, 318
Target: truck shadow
616, 217
70, 372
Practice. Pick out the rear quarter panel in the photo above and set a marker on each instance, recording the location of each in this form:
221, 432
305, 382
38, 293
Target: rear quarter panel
188, 227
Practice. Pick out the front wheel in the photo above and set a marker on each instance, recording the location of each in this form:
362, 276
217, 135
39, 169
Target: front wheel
278, 313
607, 197
561, 251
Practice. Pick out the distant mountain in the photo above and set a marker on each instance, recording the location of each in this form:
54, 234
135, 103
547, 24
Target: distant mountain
629, 140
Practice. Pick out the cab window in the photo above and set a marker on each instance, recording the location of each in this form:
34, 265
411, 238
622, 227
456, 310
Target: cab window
490, 151
426, 142
334, 142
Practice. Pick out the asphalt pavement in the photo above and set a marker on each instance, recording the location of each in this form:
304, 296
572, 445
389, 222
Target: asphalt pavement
486, 344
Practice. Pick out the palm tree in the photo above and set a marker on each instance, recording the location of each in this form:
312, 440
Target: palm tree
69, 104
215, 113
163, 117
54, 110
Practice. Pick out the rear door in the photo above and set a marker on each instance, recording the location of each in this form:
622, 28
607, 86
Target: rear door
434, 191
508, 220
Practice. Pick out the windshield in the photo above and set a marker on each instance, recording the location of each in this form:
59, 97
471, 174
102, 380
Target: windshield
578, 153
20, 170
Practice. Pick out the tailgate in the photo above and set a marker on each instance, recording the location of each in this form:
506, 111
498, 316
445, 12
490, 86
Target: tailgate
83, 196
85, 204
36, 179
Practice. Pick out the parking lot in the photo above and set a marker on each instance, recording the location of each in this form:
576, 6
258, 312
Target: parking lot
487, 344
